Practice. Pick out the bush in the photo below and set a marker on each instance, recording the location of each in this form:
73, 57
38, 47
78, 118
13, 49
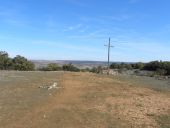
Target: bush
22, 64
138, 65
161, 72
5, 61
17, 63
96, 69
85, 70
121, 66
70, 67
53, 67
93, 70
160, 67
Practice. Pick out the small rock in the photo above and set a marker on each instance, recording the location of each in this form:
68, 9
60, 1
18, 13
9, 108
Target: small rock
44, 116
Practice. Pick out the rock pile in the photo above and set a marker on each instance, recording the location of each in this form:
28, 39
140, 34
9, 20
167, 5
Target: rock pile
53, 86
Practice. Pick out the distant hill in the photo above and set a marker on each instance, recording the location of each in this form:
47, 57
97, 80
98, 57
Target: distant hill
77, 63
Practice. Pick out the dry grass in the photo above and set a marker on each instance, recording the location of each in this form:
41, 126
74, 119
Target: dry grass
85, 101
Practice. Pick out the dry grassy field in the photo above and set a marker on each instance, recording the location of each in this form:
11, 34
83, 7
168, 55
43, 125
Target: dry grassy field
83, 100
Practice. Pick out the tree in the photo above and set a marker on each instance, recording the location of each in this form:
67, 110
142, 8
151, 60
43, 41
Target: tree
53, 67
138, 65
121, 66
22, 64
94, 70
114, 66
70, 67
85, 70
161, 72
5, 61
160, 67
152, 66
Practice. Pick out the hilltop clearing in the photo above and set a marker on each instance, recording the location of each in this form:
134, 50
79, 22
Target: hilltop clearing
81, 100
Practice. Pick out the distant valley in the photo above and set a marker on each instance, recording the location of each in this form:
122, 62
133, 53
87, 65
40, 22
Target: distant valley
77, 63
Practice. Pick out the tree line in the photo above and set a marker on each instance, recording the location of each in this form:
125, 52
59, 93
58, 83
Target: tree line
69, 67
159, 67
56, 67
22, 64
17, 63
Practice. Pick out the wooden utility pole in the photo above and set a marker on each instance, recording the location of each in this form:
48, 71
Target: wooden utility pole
109, 46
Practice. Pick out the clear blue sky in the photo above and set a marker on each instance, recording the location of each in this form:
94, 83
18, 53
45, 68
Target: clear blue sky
78, 29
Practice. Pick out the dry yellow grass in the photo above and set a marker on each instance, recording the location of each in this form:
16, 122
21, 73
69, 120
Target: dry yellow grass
85, 101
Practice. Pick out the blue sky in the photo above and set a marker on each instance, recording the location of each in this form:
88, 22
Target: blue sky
79, 29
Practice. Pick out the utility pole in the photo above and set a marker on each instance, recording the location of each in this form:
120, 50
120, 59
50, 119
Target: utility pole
109, 46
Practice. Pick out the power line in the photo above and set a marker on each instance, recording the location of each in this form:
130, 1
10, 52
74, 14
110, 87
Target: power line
109, 46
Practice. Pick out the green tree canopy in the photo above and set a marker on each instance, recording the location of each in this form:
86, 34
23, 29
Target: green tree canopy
22, 64
5, 61
70, 67
53, 67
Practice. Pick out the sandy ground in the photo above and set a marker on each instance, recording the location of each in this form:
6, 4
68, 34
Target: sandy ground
84, 100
